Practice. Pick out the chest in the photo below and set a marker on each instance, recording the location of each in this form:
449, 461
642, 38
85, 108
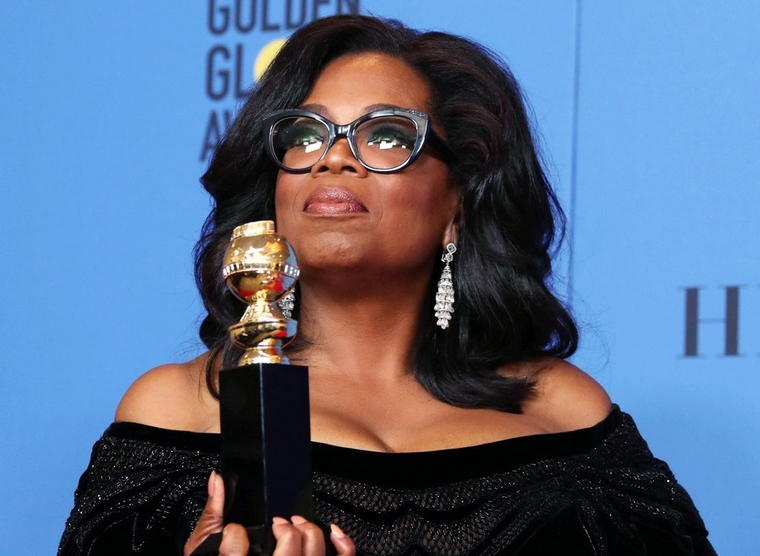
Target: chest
407, 420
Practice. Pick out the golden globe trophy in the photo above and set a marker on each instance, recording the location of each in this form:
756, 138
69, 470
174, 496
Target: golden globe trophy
260, 268
264, 402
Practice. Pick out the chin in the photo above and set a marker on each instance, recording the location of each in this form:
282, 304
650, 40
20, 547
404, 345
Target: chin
329, 250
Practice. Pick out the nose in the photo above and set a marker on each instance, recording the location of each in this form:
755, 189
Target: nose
338, 159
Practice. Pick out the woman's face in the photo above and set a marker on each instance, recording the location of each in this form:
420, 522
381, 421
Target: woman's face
340, 215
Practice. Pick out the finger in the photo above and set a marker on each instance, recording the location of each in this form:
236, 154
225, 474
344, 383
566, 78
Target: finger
211, 520
234, 541
288, 538
312, 537
342, 542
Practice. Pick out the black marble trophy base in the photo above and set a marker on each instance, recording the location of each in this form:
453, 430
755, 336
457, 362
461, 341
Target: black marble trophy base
266, 449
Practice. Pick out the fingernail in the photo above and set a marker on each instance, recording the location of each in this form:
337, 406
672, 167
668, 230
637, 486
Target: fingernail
279, 521
337, 531
211, 484
297, 520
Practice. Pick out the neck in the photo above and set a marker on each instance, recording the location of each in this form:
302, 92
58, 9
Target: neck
365, 330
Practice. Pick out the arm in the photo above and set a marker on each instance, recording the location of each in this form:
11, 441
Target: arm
137, 496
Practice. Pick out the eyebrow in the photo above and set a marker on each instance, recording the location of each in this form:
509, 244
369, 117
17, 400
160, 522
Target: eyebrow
322, 110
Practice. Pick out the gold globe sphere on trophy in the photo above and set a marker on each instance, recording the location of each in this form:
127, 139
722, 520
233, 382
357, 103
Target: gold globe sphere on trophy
260, 269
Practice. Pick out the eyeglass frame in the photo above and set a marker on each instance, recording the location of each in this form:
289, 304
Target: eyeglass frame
421, 120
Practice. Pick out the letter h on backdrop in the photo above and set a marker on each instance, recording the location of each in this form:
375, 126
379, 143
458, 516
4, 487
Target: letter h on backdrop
730, 322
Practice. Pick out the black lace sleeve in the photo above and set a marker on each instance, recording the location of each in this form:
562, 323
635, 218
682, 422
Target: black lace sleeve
138, 496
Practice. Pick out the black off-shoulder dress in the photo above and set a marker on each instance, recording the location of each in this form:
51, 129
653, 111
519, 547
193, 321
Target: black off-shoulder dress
595, 491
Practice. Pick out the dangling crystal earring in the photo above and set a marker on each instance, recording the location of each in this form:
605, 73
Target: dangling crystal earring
444, 297
287, 304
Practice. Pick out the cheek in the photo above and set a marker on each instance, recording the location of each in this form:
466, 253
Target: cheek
283, 203
426, 201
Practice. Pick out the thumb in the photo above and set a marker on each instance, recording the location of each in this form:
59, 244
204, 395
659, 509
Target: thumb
342, 543
211, 520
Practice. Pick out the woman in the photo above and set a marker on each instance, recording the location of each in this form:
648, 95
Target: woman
390, 159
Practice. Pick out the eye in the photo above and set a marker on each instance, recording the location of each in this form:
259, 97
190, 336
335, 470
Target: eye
387, 134
299, 133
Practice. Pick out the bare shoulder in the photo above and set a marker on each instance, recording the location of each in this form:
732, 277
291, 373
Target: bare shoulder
171, 396
567, 398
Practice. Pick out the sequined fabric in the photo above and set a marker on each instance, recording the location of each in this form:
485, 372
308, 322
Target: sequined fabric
596, 491
138, 495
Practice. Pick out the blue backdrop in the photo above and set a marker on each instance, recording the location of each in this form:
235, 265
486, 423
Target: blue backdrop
649, 119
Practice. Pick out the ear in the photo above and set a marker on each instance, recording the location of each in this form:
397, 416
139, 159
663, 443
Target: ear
451, 233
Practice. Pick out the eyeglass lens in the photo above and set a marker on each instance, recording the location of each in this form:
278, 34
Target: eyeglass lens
383, 142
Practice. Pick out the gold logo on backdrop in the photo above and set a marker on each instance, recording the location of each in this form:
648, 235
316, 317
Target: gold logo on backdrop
265, 57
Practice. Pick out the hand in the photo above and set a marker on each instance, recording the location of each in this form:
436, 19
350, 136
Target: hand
234, 536
297, 537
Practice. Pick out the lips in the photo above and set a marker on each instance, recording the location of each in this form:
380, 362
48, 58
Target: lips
333, 201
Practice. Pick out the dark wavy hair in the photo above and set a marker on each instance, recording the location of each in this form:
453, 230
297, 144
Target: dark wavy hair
505, 310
